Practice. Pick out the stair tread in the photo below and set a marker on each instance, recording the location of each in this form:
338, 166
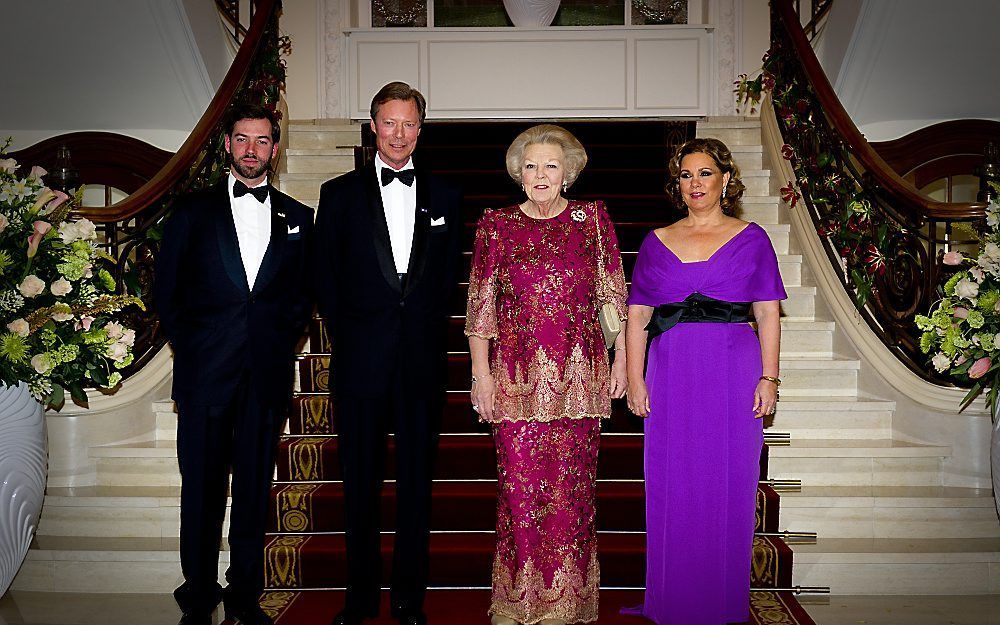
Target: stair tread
889, 497
879, 548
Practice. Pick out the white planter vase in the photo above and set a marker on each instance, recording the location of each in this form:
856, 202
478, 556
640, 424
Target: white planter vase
23, 468
531, 13
995, 463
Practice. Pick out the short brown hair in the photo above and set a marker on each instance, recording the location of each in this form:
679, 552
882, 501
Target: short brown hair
549, 134
399, 91
240, 112
723, 158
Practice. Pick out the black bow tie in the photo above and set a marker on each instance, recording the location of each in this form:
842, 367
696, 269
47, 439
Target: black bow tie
405, 176
240, 189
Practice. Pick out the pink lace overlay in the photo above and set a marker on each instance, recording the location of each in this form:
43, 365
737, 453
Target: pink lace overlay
546, 560
535, 291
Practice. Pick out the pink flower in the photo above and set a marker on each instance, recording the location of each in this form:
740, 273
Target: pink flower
128, 338
37, 172
61, 287
961, 313
85, 322
961, 359
41, 227
953, 258
31, 286
8, 165
4, 222
979, 368
19, 327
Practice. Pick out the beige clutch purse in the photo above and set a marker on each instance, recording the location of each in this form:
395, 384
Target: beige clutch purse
611, 324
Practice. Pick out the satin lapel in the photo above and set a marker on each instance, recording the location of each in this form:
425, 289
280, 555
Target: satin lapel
229, 244
421, 228
380, 229
276, 246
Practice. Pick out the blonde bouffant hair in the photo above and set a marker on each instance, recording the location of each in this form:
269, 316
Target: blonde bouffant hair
723, 158
549, 134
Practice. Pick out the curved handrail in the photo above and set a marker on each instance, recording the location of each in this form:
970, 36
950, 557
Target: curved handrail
229, 10
180, 164
910, 199
965, 138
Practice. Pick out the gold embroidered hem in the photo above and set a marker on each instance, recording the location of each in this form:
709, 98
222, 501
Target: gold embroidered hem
482, 335
544, 390
545, 418
524, 597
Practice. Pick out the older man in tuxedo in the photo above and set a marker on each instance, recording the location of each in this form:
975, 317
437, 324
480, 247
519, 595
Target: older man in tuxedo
232, 292
385, 258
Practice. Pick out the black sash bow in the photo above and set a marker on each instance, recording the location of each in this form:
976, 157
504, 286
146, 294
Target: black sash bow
696, 308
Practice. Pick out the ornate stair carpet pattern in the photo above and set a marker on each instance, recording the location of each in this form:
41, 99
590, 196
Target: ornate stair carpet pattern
305, 550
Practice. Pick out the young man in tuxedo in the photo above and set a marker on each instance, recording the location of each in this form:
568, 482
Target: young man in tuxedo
233, 296
385, 257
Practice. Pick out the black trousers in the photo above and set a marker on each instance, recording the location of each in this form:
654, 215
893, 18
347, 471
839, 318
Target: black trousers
362, 428
241, 436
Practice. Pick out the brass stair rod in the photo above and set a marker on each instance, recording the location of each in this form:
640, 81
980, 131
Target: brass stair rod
782, 484
798, 590
796, 536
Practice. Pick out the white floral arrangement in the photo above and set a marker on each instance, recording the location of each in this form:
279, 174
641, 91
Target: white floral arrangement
58, 329
962, 332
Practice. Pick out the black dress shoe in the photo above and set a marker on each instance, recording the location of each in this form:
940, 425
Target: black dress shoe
411, 617
196, 618
248, 615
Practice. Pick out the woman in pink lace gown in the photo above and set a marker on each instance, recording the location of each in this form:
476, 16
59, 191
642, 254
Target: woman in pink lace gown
540, 272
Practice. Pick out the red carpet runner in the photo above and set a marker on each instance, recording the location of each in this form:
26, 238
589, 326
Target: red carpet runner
305, 552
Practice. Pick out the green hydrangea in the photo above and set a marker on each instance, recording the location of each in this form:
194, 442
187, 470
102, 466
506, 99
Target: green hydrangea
926, 341
13, 347
95, 336
949, 286
986, 341
942, 318
73, 268
48, 337
924, 323
114, 379
988, 300
975, 319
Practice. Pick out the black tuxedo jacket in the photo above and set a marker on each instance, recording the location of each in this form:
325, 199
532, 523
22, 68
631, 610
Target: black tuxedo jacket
221, 330
377, 324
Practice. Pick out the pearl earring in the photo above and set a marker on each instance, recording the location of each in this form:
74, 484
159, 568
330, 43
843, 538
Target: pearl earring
565, 186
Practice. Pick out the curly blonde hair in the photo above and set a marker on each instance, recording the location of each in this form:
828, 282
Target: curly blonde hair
549, 134
723, 158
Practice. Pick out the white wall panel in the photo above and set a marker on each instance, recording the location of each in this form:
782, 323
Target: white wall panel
521, 75
379, 62
538, 74
667, 74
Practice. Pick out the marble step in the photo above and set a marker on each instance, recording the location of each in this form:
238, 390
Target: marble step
323, 136
862, 462
900, 566
807, 339
826, 417
891, 512
748, 157
763, 209
327, 161
731, 132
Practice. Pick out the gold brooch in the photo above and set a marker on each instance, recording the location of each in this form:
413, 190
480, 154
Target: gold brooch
578, 215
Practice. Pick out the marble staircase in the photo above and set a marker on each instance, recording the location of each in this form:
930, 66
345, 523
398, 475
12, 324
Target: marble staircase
886, 522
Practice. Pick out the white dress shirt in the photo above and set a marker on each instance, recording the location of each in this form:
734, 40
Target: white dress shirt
400, 204
253, 229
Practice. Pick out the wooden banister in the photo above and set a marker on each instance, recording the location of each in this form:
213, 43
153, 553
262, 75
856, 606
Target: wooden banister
180, 164
907, 197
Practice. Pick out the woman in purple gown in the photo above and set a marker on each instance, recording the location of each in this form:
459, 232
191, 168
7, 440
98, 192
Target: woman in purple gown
708, 381
541, 378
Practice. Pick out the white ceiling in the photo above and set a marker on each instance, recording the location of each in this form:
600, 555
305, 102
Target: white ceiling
900, 65
101, 65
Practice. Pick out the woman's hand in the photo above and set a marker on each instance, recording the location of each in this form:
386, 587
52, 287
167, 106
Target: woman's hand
484, 392
638, 398
619, 376
765, 398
